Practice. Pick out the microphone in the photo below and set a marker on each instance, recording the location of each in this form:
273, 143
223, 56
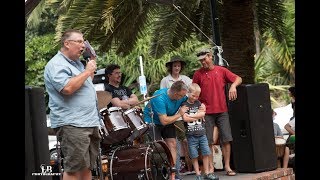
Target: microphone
86, 56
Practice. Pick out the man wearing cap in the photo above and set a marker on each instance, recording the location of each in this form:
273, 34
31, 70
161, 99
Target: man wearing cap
213, 80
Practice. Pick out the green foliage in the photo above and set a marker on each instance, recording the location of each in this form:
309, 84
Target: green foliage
39, 50
42, 22
154, 68
276, 62
124, 30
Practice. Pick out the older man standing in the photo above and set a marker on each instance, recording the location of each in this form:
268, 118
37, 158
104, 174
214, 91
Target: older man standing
73, 106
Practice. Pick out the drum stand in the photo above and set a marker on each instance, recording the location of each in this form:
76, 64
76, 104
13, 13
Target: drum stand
99, 159
99, 165
58, 148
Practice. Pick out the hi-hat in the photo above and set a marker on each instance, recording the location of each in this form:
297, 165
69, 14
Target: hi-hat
104, 98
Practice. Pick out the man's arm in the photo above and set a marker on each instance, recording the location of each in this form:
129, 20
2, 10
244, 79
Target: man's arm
233, 88
165, 120
76, 82
133, 99
289, 129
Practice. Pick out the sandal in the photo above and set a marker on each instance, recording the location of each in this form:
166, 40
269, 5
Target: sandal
231, 173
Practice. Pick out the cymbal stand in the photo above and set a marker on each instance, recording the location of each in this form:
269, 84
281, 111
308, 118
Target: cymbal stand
58, 148
152, 121
100, 165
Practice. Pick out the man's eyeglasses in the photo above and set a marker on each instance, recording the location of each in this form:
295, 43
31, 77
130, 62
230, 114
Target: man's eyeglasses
202, 53
77, 41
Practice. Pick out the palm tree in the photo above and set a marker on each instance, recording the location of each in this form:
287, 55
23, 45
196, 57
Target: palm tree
120, 23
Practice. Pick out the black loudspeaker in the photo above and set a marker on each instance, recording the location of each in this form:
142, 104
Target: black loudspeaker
253, 146
99, 77
36, 135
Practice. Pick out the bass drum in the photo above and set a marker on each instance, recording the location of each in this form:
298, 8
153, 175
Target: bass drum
147, 161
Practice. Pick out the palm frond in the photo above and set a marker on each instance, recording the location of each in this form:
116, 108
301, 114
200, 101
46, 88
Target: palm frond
34, 17
172, 26
270, 16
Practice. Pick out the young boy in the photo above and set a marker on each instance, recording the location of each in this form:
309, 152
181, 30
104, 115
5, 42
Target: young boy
195, 132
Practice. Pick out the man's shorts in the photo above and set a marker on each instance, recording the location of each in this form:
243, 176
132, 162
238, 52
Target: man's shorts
221, 120
80, 147
167, 131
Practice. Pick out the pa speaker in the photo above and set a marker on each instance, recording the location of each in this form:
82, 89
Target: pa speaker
253, 146
99, 77
36, 135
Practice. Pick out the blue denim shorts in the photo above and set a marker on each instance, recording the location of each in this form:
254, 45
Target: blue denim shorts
196, 143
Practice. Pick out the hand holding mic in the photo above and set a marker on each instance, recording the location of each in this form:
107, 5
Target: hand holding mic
90, 64
86, 56
89, 53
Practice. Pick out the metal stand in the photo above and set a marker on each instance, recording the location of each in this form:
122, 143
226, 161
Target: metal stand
99, 164
58, 148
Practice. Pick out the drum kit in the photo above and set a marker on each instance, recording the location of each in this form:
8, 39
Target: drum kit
121, 157
280, 149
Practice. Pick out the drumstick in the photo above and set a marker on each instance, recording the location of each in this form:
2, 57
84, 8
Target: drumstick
179, 128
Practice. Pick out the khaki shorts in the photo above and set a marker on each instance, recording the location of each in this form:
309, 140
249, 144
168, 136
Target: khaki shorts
221, 120
79, 146
181, 130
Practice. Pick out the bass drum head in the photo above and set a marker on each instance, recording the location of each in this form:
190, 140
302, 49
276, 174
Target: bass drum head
161, 160
151, 161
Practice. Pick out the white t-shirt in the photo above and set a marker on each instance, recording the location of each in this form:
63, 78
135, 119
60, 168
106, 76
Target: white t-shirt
167, 81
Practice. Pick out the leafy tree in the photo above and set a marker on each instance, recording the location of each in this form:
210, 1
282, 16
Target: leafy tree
119, 24
276, 61
39, 50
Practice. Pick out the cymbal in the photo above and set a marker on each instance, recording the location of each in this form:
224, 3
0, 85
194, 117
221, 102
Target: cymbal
104, 98
146, 99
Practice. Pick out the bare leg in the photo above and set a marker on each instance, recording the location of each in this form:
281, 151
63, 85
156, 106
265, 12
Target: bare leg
285, 158
215, 135
186, 154
71, 176
226, 155
86, 174
172, 145
205, 160
212, 148
210, 159
196, 166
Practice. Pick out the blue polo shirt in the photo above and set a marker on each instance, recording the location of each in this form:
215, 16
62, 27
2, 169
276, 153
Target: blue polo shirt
161, 105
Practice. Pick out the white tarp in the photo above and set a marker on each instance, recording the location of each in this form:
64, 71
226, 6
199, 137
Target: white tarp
283, 116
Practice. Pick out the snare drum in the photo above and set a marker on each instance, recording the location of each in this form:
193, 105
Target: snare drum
135, 120
280, 146
118, 129
148, 161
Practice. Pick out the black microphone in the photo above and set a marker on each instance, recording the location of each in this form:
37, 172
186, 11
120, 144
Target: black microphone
86, 56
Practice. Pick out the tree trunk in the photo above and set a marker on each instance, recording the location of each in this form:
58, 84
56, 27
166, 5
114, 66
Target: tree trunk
29, 5
237, 37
